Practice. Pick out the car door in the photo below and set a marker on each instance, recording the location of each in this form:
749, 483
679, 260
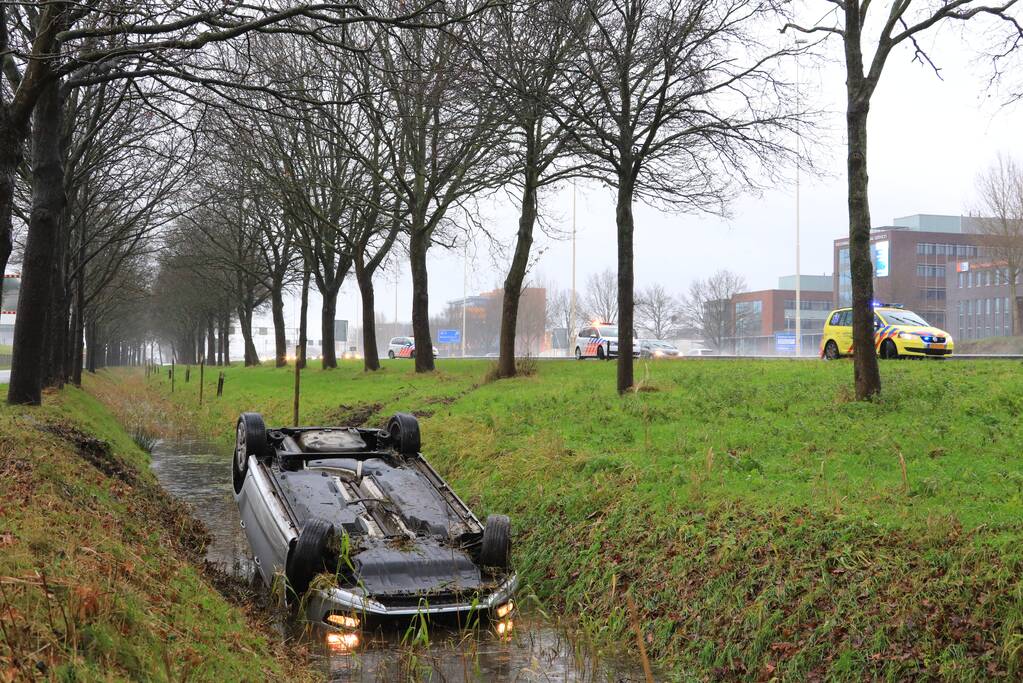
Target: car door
587, 341
842, 330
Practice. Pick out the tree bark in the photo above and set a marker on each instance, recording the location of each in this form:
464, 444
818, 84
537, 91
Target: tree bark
517, 273
90, 331
327, 321
225, 335
418, 244
245, 323
371, 359
280, 332
35, 299
211, 342
865, 369
10, 159
626, 229
303, 322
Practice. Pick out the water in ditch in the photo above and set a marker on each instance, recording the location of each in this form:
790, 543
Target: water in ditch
199, 473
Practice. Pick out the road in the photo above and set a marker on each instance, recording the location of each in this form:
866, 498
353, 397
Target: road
5, 376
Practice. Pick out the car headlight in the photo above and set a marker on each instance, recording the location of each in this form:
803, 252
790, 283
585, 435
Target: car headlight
908, 335
342, 620
505, 609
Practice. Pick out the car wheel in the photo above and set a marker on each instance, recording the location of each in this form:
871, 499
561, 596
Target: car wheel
495, 550
390, 354
404, 432
250, 439
889, 350
310, 555
578, 353
600, 353
831, 350
412, 355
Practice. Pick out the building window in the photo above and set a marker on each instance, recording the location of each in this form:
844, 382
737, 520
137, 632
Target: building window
932, 293
924, 270
969, 279
748, 316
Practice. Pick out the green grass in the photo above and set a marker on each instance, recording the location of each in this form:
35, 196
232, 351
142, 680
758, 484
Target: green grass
767, 524
98, 569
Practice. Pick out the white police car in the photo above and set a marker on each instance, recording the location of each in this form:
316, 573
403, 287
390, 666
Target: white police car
600, 341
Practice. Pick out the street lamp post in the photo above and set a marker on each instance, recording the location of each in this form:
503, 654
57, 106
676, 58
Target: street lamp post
799, 305
571, 315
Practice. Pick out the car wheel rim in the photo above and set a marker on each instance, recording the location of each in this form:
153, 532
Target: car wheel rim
239, 448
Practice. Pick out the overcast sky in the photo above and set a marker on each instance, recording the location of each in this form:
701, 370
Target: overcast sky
928, 139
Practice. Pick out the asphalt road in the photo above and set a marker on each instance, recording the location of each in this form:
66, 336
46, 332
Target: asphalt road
5, 376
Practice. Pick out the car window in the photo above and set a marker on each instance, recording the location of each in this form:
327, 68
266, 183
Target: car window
904, 318
588, 332
846, 320
608, 331
835, 317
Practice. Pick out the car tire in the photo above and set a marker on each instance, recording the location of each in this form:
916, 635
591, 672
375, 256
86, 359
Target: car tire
600, 353
250, 439
390, 354
309, 556
888, 350
404, 432
495, 550
578, 353
831, 350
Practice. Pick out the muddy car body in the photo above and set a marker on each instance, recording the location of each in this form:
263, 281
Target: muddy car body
358, 525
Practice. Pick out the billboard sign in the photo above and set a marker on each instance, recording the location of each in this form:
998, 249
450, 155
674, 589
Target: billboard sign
962, 266
340, 331
785, 343
879, 254
449, 336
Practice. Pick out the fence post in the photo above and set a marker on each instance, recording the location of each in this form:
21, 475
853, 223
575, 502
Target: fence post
172, 375
202, 374
220, 384
298, 376
188, 373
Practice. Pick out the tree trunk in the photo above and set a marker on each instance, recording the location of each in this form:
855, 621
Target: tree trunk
245, 323
90, 331
303, 322
865, 369
516, 276
371, 359
1017, 320
626, 228
211, 341
48, 202
10, 160
327, 322
418, 244
77, 347
225, 334
280, 332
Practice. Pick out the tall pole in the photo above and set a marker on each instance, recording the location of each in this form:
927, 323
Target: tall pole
571, 315
799, 306
465, 290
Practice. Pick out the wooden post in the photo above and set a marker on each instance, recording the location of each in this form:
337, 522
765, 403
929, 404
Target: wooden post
188, 373
202, 374
172, 375
298, 381
220, 384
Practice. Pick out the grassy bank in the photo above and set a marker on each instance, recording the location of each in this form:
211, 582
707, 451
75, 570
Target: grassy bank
99, 570
767, 524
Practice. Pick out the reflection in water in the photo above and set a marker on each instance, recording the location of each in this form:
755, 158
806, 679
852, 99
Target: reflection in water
199, 473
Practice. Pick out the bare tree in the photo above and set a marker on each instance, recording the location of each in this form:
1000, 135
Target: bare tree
450, 138
656, 310
676, 100
903, 22
600, 299
708, 307
1000, 200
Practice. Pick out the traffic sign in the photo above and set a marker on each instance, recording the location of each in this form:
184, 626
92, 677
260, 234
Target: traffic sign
449, 336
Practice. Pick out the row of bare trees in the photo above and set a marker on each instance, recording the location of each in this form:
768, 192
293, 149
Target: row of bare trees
261, 146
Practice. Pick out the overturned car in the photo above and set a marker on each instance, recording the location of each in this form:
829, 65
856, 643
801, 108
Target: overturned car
361, 526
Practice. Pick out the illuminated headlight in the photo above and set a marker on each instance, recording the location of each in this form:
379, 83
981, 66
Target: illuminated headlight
658, 354
908, 335
342, 620
504, 628
505, 609
342, 642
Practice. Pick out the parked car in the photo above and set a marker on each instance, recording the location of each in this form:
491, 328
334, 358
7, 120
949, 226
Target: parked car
655, 348
405, 347
700, 351
359, 527
600, 341
898, 333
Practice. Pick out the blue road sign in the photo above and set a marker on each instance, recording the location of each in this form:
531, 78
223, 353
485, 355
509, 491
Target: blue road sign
784, 342
449, 336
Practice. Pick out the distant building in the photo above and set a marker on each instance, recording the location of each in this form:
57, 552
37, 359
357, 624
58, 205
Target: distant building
978, 300
765, 321
912, 259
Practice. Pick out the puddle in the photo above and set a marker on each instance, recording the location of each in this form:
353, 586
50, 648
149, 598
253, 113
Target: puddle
199, 473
